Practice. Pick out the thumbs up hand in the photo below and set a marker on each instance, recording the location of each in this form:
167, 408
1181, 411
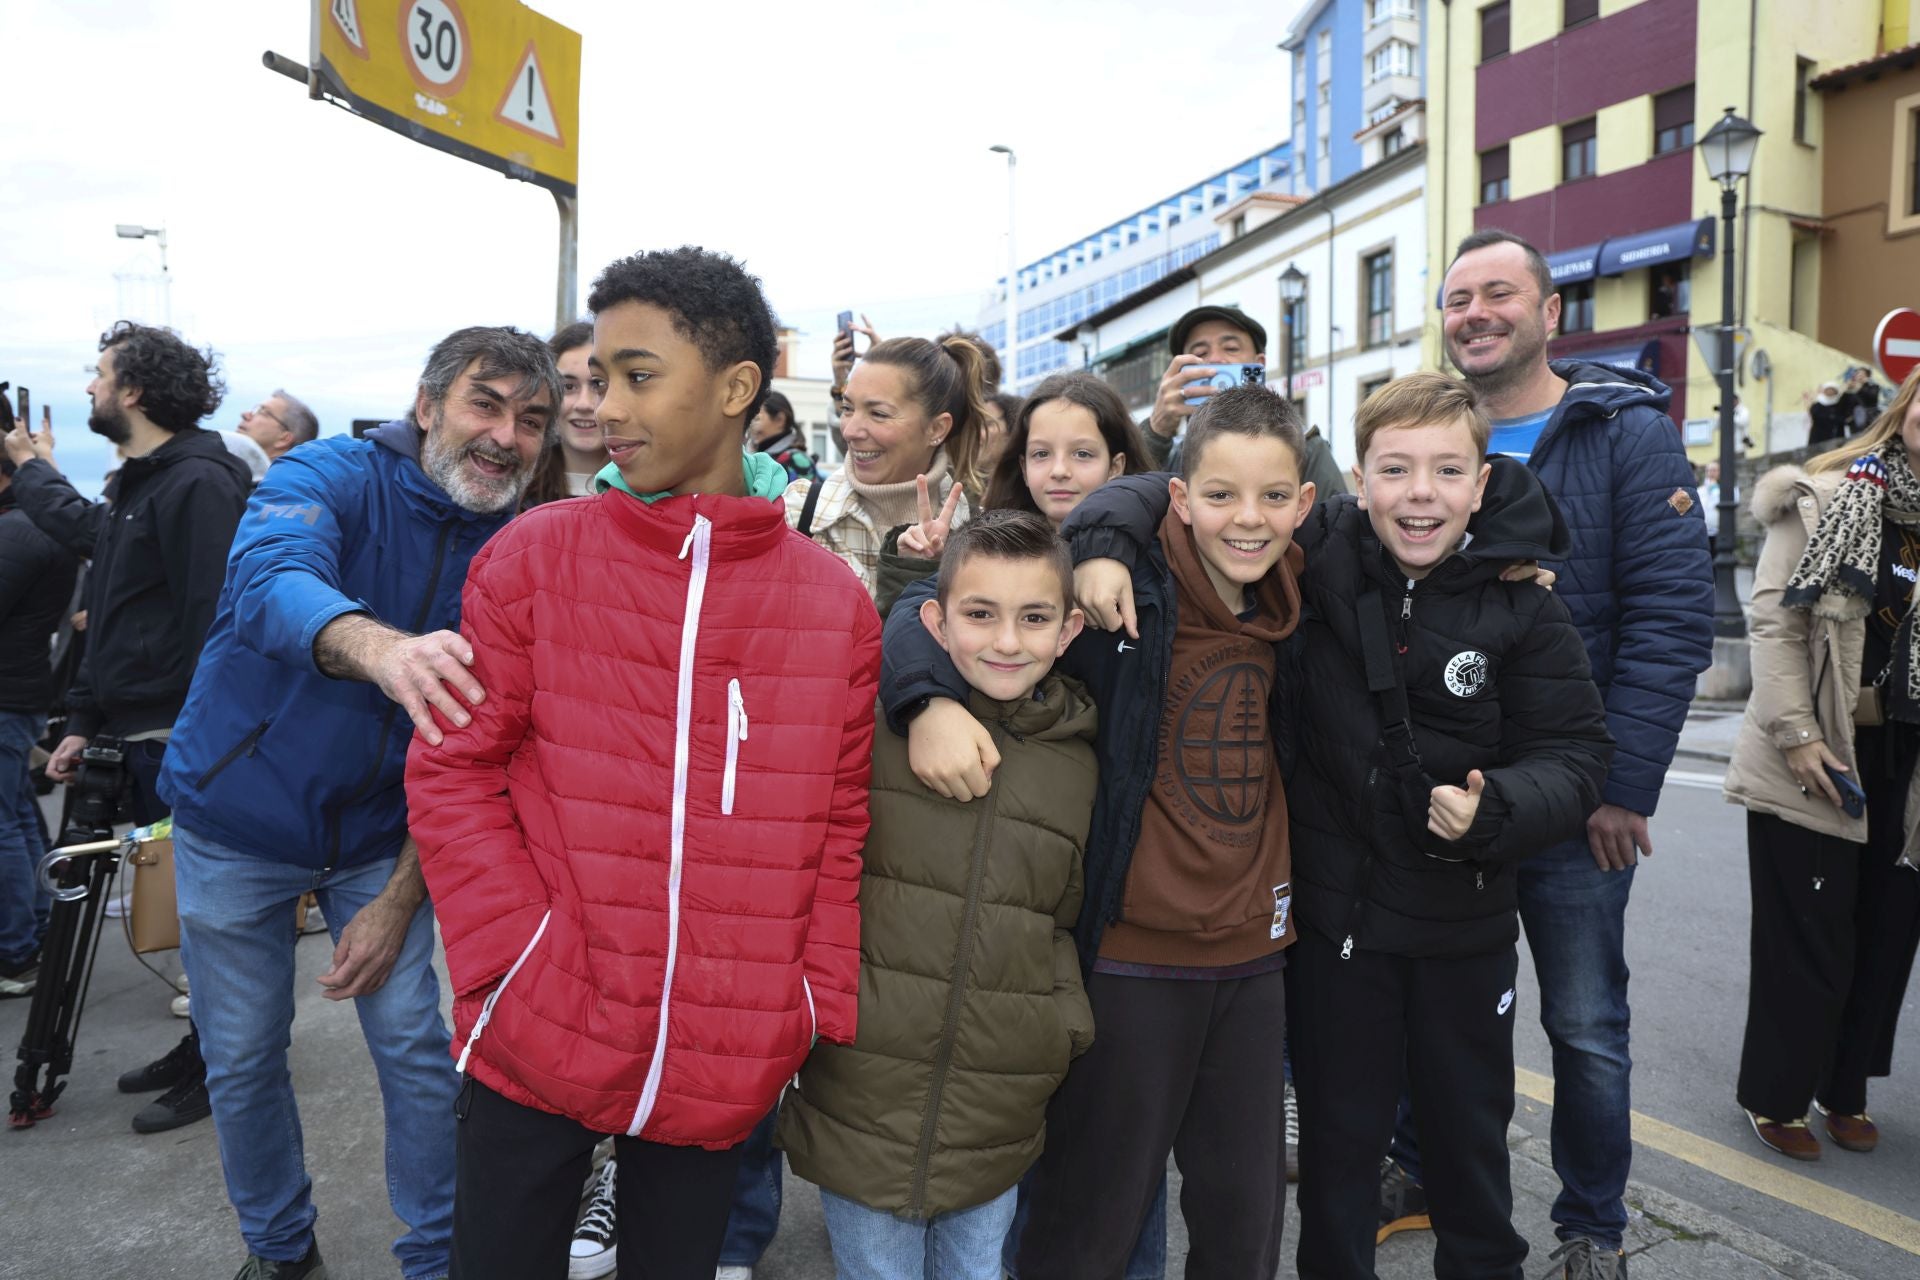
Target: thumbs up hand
1451, 810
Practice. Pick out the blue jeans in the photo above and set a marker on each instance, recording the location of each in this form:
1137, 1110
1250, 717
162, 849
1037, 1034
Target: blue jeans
1148, 1261
1576, 920
871, 1244
23, 903
237, 940
755, 1216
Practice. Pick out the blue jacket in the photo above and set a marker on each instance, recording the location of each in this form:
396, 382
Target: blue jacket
269, 756
1639, 583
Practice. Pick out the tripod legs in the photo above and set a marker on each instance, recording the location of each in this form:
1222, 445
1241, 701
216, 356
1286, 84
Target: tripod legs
66, 967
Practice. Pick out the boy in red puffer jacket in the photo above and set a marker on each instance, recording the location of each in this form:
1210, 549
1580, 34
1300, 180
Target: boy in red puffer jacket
644, 850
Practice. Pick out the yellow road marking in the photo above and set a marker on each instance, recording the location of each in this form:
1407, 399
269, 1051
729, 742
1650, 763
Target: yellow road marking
1754, 1174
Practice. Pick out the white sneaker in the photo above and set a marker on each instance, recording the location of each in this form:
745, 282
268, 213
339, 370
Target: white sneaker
592, 1252
733, 1273
182, 1007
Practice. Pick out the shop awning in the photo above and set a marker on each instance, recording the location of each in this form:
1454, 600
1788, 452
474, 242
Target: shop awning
1572, 266
1642, 356
1682, 240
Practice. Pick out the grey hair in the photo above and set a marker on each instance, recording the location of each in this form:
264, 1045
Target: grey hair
300, 419
503, 352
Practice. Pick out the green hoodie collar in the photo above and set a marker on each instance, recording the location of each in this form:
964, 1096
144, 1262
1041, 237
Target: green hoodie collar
766, 478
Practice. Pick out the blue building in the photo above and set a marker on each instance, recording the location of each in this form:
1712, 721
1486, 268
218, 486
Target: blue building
1356, 65
1061, 288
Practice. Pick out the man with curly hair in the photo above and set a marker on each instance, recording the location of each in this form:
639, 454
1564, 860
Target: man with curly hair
157, 566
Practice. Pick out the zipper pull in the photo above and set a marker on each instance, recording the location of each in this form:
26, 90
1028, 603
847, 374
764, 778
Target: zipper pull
693, 535
1817, 882
1406, 604
739, 706
1346, 948
1479, 879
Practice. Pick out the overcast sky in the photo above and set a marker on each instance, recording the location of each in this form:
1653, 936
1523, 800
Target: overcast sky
839, 149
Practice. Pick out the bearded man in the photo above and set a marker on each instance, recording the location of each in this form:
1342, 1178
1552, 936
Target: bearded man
336, 631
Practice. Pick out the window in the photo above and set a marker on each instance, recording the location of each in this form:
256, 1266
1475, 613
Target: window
1325, 146
1296, 312
1494, 185
1673, 120
1577, 150
1239, 225
1575, 12
1576, 307
1370, 385
1803, 299
1378, 270
1395, 141
1394, 58
1382, 10
1325, 94
1383, 111
1323, 53
1802, 72
1493, 31
1670, 288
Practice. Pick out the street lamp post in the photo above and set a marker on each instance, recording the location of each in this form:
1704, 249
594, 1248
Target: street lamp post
1727, 151
1012, 341
1293, 287
135, 231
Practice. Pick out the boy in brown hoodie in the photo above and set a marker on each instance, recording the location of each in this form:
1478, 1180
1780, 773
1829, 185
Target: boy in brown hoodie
1188, 900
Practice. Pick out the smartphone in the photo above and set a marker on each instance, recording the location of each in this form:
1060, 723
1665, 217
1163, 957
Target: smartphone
1227, 376
1853, 801
26, 406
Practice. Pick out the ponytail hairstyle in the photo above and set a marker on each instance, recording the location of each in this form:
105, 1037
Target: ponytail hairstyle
1008, 488
946, 377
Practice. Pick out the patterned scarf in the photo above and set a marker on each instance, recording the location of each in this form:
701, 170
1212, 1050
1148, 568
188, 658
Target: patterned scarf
1839, 573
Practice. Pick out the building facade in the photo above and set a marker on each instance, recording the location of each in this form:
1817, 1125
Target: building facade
1356, 65
1361, 244
1869, 240
1574, 123
1061, 288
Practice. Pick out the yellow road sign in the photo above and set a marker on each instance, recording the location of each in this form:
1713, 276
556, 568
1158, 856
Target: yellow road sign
490, 81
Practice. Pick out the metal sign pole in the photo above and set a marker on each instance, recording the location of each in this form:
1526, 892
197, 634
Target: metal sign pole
567, 293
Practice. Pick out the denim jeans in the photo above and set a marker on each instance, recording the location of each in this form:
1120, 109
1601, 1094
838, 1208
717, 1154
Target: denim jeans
755, 1216
872, 1244
1148, 1261
23, 903
237, 940
1576, 919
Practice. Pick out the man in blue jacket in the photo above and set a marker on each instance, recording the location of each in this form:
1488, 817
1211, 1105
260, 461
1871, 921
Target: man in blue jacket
335, 631
1640, 587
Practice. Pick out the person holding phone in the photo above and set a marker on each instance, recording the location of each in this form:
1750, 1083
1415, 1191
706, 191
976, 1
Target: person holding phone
1825, 768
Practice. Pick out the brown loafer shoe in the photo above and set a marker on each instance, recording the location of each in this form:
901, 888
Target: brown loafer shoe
1791, 1138
1855, 1133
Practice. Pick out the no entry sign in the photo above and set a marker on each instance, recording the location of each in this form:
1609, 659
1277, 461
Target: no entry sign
1896, 343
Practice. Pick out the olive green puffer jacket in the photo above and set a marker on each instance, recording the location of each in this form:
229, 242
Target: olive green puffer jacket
970, 997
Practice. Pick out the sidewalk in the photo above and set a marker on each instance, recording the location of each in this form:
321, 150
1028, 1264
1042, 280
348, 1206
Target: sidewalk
1709, 733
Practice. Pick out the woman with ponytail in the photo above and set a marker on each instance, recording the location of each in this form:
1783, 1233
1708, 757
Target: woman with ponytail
913, 416
1835, 712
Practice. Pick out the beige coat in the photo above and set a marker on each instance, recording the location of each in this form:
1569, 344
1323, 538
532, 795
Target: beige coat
1806, 670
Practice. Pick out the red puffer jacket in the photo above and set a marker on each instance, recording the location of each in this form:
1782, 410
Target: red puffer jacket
645, 849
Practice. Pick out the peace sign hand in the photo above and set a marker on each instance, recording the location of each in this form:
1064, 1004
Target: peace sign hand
928, 539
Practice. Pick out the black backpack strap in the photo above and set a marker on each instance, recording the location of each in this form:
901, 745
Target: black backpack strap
806, 509
1396, 718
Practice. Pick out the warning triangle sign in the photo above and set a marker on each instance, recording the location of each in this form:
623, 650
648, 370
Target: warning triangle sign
346, 16
527, 105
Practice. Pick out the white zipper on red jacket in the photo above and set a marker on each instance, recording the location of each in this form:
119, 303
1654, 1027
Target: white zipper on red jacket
700, 541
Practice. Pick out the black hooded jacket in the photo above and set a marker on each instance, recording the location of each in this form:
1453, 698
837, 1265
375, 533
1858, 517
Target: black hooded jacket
36, 581
1496, 678
158, 563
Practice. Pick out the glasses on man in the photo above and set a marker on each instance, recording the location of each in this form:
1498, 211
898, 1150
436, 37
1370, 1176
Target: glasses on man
261, 410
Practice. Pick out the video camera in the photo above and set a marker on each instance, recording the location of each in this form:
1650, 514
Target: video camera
99, 791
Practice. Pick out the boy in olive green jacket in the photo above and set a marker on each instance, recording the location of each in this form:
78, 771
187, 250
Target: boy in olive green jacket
971, 1004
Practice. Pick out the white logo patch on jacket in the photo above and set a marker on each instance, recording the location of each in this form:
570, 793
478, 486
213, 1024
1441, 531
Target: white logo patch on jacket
1467, 673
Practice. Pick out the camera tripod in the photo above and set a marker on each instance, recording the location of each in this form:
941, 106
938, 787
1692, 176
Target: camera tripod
77, 874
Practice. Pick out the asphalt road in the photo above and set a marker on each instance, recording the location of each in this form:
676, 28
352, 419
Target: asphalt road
87, 1197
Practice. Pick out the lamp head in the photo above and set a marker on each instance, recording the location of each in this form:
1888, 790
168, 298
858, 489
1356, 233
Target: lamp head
1293, 284
1728, 149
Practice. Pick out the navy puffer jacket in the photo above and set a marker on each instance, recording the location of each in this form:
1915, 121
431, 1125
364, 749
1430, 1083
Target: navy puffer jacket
1639, 582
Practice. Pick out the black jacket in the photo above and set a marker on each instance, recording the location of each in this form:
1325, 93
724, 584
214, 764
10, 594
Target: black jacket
1128, 681
1496, 678
36, 581
158, 563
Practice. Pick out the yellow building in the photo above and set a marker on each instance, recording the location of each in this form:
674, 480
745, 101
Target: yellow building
1573, 123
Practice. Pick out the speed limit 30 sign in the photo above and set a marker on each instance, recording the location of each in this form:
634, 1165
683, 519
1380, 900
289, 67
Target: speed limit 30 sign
434, 34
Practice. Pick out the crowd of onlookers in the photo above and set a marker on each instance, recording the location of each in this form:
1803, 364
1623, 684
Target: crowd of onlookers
1034, 796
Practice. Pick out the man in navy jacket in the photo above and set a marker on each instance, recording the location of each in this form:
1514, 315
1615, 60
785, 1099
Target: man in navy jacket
1639, 584
335, 631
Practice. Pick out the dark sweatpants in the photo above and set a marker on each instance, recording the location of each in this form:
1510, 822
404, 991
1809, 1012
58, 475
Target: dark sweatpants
1190, 1067
517, 1179
1829, 963
1366, 1027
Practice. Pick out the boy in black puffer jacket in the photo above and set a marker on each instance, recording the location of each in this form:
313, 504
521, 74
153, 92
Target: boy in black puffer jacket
1473, 739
